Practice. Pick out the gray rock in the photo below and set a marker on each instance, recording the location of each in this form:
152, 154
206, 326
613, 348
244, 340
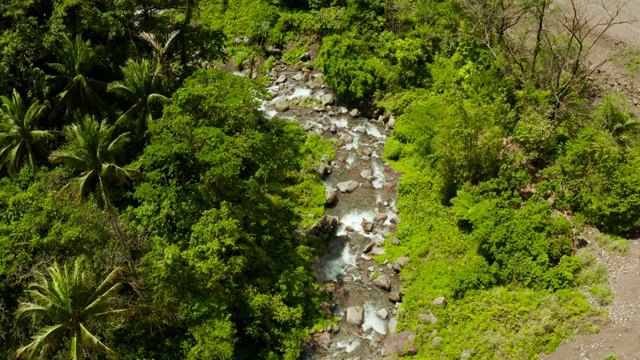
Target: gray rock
466, 354
367, 225
308, 126
324, 339
366, 152
354, 112
335, 328
297, 77
395, 265
237, 40
383, 282
319, 80
399, 344
441, 301
360, 130
394, 296
305, 56
402, 261
327, 99
348, 186
381, 217
392, 326
395, 241
281, 79
392, 122
436, 341
345, 138
281, 105
428, 317
355, 315
382, 314
330, 193
246, 40
305, 77
333, 128
366, 174
377, 251
322, 169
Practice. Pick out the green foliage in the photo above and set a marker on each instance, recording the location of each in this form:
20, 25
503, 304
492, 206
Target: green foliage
69, 302
221, 198
20, 140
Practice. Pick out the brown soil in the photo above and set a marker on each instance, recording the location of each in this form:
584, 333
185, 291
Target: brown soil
620, 334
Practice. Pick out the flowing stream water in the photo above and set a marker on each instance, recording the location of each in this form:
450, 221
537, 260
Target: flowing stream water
344, 268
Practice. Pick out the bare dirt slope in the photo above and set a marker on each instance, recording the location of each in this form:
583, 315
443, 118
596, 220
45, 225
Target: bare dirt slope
620, 334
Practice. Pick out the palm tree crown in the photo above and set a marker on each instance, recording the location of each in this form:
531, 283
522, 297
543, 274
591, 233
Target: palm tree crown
160, 51
20, 138
76, 59
140, 86
92, 150
67, 299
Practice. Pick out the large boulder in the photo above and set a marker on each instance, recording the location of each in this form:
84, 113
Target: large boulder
367, 225
281, 105
440, 302
348, 186
327, 99
330, 193
392, 326
382, 314
399, 344
345, 139
428, 317
281, 79
394, 297
377, 251
383, 282
392, 122
355, 315
324, 339
322, 169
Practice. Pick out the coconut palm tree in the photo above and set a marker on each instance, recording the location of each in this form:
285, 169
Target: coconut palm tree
92, 150
160, 51
141, 87
76, 59
20, 139
67, 300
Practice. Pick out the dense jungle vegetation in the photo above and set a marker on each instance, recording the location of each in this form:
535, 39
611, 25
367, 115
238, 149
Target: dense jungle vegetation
149, 210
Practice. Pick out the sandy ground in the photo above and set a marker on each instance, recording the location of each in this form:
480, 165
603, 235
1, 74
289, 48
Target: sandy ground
620, 334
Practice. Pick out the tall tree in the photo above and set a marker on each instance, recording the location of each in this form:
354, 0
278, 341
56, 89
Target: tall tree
76, 60
20, 139
68, 301
92, 150
140, 86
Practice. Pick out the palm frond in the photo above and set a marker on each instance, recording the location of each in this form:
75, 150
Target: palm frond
50, 335
92, 342
158, 99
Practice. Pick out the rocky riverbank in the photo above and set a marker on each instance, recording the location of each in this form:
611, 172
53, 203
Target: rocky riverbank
361, 218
